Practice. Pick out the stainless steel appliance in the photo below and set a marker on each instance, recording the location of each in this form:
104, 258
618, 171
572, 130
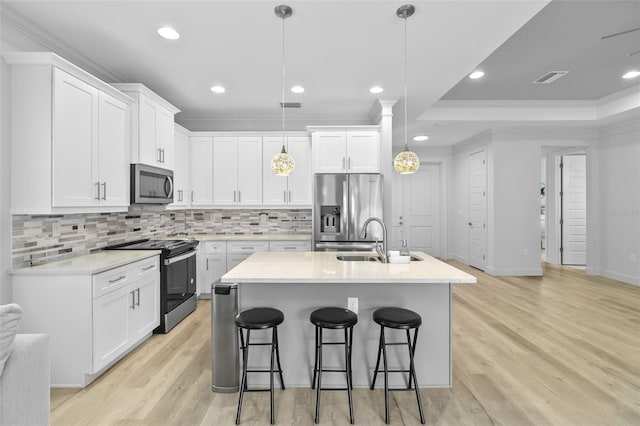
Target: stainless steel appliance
177, 277
225, 367
151, 185
342, 203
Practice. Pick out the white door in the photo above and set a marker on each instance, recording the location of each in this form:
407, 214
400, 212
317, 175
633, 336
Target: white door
421, 216
147, 149
478, 209
75, 142
274, 188
574, 210
113, 151
145, 316
301, 180
249, 170
111, 325
201, 171
225, 170
165, 129
181, 169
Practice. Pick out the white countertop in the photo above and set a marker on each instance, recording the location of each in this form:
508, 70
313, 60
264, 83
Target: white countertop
244, 237
88, 264
324, 267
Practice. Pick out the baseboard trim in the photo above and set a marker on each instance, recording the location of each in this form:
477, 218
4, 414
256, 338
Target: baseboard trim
629, 279
514, 272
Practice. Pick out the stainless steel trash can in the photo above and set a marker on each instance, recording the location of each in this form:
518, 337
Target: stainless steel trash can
225, 368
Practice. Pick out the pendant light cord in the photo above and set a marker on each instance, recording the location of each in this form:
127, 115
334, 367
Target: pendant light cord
283, 77
405, 82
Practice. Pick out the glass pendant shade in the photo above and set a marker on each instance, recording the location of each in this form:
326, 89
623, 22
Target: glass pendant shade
406, 162
282, 164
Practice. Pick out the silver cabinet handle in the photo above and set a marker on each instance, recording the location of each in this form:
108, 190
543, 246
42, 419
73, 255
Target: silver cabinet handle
349, 163
343, 164
192, 196
98, 186
120, 278
162, 154
148, 267
239, 196
138, 291
207, 268
289, 195
285, 195
159, 155
133, 299
104, 190
234, 196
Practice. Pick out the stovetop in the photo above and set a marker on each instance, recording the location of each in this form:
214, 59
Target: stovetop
168, 247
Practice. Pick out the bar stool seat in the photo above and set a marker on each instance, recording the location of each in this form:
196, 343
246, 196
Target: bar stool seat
259, 319
399, 319
333, 318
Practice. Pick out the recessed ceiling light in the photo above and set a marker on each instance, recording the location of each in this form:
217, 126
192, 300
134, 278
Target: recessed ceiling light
476, 74
631, 74
420, 138
168, 33
297, 89
218, 89
376, 89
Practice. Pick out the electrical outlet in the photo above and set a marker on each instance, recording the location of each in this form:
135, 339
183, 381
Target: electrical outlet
632, 257
352, 304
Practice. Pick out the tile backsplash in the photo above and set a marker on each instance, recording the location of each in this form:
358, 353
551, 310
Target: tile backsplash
45, 238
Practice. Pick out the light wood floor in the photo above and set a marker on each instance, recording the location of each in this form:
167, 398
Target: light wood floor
563, 349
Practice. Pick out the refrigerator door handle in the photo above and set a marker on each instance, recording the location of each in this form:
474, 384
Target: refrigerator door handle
346, 209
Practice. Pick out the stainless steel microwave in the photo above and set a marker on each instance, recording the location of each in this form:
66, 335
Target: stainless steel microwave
151, 185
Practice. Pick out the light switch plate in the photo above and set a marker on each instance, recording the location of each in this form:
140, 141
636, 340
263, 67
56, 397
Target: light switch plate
352, 304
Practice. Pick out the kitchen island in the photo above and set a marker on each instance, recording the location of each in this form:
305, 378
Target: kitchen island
298, 283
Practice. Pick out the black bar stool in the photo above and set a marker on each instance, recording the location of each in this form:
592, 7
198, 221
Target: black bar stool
334, 319
399, 319
259, 319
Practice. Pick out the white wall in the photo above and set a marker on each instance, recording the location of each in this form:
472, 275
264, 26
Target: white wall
5, 183
619, 211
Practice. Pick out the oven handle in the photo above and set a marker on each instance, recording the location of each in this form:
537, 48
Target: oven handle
173, 260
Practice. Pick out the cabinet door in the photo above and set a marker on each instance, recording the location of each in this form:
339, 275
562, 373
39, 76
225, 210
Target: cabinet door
147, 150
225, 177
181, 193
249, 170
329, 152
145, 315
300, 190
201, 171
164, 138
114, 152
363, 152
290, 246
111, 326
274, 188
214, 266
75, 142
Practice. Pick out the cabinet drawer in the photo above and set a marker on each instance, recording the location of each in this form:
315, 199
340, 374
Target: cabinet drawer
113, 279
213, 247
290, 245
247, 246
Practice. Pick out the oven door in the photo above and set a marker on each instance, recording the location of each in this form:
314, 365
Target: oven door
180, 279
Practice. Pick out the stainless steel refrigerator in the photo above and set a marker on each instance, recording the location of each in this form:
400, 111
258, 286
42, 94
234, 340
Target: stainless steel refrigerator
342, 203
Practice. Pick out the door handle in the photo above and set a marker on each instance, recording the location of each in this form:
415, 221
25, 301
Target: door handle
98, 186
133, 299
349, 163
239, 196
104, 190
344, 164
289, 195
159, 155
285, 195
138, 291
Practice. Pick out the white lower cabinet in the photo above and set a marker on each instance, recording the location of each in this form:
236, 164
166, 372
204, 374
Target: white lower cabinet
212, 264
237, 251
290, 245
92, 319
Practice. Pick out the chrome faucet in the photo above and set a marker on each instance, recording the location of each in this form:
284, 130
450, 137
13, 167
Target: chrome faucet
384, 256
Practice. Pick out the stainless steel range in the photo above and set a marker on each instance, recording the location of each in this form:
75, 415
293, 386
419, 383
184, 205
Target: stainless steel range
177, 277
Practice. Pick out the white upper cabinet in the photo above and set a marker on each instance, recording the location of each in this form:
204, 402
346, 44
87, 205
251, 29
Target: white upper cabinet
352, 150
293, 190
237, 170
181, 191
70, 138
201, 170
152, 127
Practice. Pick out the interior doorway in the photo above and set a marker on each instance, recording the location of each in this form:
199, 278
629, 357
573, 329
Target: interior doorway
478, 209
573, 210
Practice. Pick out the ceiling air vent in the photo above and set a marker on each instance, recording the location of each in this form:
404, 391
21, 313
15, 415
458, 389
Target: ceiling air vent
290, 105
550, 77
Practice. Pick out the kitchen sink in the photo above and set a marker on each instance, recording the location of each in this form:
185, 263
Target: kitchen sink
366, 258
358, 258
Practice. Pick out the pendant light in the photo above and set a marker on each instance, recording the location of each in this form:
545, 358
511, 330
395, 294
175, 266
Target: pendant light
406, 161
282, 164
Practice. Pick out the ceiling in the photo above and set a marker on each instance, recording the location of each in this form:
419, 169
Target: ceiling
337, 50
